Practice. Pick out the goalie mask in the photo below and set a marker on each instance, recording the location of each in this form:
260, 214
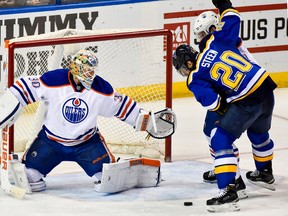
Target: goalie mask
83, 66
204, 24
184, 59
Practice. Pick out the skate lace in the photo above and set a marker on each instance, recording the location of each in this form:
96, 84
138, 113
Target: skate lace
222, 193
211, 173
255, 173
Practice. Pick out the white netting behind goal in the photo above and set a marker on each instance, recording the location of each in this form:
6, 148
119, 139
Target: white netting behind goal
135, 66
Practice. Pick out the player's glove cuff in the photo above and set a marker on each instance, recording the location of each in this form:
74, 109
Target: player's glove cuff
223, 107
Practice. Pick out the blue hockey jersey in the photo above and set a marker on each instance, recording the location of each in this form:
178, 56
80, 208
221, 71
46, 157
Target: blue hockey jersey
221, 70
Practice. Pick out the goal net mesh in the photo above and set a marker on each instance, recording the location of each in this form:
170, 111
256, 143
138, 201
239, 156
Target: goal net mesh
135, 66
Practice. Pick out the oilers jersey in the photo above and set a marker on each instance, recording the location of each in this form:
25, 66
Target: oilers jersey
72, 110
221, 70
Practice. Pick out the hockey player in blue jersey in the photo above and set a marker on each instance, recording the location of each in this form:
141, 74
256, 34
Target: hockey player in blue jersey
74, 97
222, 80
205, 24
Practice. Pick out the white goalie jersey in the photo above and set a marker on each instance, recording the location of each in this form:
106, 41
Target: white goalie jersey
72, 110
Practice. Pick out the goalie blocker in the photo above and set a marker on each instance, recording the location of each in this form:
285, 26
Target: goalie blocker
159, 125
10, 109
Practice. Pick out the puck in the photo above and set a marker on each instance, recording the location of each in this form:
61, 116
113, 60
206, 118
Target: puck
188, 203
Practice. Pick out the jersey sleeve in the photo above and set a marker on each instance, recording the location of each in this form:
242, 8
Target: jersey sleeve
27, 90
230, 27
122, 107
203, 92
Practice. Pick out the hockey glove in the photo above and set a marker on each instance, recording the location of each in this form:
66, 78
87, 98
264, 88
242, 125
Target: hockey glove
223, 106
217, 3
159, 125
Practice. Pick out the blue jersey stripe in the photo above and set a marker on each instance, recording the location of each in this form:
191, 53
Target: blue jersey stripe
28, 89
121, 107
130, 110
20, 93
11, 114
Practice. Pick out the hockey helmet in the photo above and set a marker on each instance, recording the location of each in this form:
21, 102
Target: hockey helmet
184, 59
204, 23
83, 66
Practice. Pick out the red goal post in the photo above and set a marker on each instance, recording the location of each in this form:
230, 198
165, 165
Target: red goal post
152, 84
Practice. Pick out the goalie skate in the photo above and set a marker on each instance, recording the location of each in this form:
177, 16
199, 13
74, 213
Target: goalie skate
38, 186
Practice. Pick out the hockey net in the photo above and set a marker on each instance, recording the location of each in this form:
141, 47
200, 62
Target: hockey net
134, 62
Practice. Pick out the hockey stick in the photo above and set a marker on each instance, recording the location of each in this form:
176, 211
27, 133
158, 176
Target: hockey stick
6, 159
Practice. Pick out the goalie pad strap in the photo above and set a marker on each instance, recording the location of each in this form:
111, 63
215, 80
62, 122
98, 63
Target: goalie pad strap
10, 109
143, 121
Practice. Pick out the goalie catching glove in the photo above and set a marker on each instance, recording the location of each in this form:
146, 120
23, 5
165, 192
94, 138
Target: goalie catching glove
159, 125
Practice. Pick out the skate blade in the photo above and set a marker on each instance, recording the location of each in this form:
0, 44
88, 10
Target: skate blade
242, 194
210, 182
227, 207
264, 185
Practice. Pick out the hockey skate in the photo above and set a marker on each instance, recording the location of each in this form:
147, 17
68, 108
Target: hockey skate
240, 188
263, 178
38, 186
209, 176
226, 201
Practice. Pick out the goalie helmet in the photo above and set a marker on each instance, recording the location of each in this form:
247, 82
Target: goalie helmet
184, 59
204, 23
83, 66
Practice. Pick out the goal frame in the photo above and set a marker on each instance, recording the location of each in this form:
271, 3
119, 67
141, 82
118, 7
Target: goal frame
102, 37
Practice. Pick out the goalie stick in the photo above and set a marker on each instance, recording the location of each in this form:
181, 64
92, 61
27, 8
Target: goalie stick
6, 159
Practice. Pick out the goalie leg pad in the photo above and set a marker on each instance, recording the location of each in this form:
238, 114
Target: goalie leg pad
149, 177
125, 175
10, 109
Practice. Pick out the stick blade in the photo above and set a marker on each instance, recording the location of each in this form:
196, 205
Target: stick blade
15, 191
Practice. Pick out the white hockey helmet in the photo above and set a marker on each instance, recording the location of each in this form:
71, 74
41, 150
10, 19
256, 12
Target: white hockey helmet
83, 66
203, 24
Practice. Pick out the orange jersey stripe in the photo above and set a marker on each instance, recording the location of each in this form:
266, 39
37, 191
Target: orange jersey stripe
126, 108
23, 90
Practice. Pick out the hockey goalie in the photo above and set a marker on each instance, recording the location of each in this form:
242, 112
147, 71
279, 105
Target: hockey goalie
74, 98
